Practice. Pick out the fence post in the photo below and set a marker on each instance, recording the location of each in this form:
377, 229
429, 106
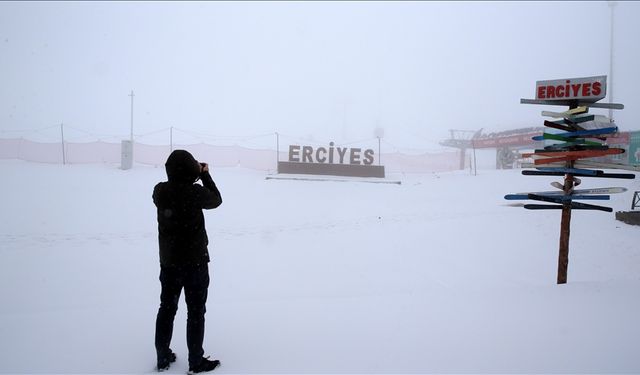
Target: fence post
64, 158
277, 149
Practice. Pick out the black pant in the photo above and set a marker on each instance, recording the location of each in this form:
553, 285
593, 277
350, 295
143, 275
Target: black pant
195, 281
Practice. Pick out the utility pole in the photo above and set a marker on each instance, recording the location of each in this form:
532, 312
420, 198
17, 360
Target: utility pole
127, 146
612, 5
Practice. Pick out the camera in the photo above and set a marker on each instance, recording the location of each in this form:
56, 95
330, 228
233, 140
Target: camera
204, 167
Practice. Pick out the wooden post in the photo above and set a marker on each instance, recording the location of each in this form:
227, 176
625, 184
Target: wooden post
565, 230
570, 180
565, 224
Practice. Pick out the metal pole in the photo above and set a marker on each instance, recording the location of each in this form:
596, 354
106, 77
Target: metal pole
379, 153
463, 154
64, 158
611, 4
277, 152
277, 148
131, 95
131, 139
171, 139
344, 122
475, 162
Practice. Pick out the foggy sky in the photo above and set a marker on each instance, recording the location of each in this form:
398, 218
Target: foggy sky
328, 70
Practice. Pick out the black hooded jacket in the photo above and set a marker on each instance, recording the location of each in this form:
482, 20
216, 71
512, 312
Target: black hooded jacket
181, 230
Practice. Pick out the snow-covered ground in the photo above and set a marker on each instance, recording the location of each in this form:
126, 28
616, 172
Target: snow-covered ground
437, 274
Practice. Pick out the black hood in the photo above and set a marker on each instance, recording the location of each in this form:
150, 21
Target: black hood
182, 166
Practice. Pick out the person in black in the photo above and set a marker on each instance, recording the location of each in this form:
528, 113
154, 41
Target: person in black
184, 258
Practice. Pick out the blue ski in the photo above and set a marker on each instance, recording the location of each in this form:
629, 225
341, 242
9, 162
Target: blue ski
590, 172
629, 176
557, 196
604, 190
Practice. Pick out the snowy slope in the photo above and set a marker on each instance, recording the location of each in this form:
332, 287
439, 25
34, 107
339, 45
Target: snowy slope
435, 275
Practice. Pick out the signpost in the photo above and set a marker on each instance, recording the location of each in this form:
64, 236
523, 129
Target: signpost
580, 142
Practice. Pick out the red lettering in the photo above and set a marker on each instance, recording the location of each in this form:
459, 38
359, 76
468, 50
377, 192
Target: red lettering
576, 89
551, 92
541, 92
566, 89
597, 88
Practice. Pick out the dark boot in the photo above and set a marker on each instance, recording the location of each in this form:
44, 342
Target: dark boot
165, 362
205, 365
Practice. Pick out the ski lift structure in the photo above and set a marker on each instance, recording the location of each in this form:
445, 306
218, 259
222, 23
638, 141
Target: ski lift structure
506, 143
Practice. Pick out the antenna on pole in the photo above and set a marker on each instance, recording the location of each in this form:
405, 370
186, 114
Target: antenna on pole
611, 4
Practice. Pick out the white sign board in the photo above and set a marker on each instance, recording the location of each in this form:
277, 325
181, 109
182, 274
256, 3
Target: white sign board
589, 89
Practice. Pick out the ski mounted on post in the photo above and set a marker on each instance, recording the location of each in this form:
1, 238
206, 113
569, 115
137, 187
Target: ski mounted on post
572, 156
604, 190
579, 133
574, 206
560, 137
571, 146
566, 114
590, 172
629, 176
561, 197
571, 121
566, 201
